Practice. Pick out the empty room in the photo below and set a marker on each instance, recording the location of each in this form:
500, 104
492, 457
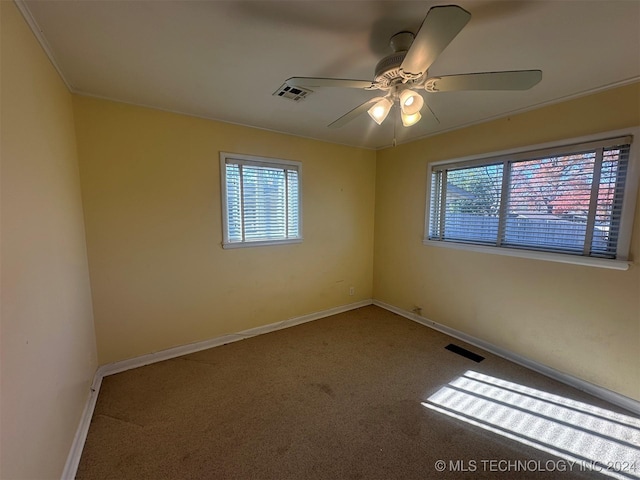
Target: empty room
320, 239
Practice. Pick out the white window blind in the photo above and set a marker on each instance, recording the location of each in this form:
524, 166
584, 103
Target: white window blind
261, 200
562, 200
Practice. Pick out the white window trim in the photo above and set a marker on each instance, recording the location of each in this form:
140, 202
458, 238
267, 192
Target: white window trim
226, 244
627, 216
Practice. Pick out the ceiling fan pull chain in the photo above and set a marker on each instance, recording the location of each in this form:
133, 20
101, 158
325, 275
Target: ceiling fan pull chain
433, 113
395, 122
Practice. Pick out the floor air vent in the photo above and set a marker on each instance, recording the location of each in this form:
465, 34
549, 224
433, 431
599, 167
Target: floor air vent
292, 93
464, 352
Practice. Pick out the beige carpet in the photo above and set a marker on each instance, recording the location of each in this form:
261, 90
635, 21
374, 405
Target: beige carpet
337, 398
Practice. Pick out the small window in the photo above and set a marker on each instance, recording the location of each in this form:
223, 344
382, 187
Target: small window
260, 200
566, 199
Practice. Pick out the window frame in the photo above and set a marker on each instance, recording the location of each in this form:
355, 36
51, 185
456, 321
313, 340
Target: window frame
621, 261
259, 161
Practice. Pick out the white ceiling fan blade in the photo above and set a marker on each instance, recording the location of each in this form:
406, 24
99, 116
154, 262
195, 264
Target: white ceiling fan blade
517, 80
359, 110
327, 82
440, 26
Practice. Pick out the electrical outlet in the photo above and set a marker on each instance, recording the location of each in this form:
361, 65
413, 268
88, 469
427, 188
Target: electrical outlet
352, 290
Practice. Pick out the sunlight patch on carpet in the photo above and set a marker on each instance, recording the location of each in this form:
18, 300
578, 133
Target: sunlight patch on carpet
595, 438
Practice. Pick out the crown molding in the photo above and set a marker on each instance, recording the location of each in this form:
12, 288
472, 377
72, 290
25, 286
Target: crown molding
39, 34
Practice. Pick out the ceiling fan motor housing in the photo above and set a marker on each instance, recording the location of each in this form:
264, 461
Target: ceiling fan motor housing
388, 69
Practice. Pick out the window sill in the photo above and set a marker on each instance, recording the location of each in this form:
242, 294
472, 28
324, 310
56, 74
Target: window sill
551, 257
264, 243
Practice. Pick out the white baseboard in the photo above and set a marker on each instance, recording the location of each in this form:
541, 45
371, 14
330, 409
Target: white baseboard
73, 460
117, 367
595, 390
75, 453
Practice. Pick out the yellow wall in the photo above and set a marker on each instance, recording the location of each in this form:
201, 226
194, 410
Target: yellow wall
151, 192
160, 278
48, 352
581, 320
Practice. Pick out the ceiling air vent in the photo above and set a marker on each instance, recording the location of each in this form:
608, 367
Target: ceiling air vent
292, 93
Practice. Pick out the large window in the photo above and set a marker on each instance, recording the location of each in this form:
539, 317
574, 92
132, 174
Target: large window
572, 199
260, 200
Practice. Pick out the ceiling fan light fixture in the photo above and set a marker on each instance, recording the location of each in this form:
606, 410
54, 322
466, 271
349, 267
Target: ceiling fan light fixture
380, 110
411, 102
402, 75
408, 120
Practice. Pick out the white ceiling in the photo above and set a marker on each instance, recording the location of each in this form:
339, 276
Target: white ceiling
224, 59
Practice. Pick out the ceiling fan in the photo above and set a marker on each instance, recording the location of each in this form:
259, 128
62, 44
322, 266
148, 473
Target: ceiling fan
405, 71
